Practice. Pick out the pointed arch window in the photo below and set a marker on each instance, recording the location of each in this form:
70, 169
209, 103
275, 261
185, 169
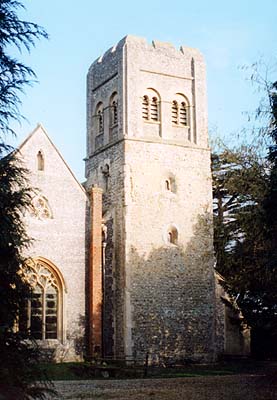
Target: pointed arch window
42, 313
40, 161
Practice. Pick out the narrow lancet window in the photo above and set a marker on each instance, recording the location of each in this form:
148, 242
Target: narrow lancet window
40, 161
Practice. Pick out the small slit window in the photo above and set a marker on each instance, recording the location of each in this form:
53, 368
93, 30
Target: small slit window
170, 184
172, 235
40, 161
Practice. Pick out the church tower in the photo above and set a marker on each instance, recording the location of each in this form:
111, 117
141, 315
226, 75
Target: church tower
147, 148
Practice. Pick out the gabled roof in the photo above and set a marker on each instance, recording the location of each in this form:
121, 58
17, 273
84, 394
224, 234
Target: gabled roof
40, 128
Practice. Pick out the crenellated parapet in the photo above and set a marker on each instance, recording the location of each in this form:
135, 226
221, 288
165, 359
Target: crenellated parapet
142, 77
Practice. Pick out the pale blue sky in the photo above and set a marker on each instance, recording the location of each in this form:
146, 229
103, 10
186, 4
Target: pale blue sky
229, 34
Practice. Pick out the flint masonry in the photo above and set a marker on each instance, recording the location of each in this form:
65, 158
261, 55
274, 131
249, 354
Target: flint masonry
147, 148
123, 265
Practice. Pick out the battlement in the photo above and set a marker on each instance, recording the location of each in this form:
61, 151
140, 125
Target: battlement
141, 43
130, 75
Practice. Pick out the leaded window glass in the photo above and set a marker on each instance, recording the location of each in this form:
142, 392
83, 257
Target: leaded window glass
40, 316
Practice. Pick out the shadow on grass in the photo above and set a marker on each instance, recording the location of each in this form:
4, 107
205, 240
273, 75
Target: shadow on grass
88, 371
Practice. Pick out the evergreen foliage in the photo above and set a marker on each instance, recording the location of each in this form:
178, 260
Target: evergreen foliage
14, 75
20, 375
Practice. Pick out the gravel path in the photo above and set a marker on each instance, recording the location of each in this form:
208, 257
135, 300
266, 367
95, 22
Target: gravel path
236, 387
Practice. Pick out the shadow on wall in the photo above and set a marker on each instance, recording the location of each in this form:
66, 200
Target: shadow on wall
172, 292
74, 347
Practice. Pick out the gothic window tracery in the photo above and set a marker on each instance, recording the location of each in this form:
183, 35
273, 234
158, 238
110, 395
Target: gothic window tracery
40, 208
41, 312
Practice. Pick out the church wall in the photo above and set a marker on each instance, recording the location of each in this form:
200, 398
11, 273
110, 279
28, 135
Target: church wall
170, 292
60, 238
159, 187
113, 217
170, 286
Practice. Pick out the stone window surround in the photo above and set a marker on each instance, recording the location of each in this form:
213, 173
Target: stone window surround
179, 106
40, 161
54, 278
99, 114
171, 235
113, 107
40, 208
151, 106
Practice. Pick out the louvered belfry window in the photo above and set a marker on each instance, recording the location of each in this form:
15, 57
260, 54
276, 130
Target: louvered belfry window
115, 112
100, 121
174, 112
113, 107
154, 114
180, 111
145, 107
183, 120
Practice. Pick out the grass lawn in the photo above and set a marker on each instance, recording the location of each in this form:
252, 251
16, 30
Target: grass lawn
85, 371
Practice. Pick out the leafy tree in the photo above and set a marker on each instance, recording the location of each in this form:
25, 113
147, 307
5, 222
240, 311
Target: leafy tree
245, 215
19, 371
271, 199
